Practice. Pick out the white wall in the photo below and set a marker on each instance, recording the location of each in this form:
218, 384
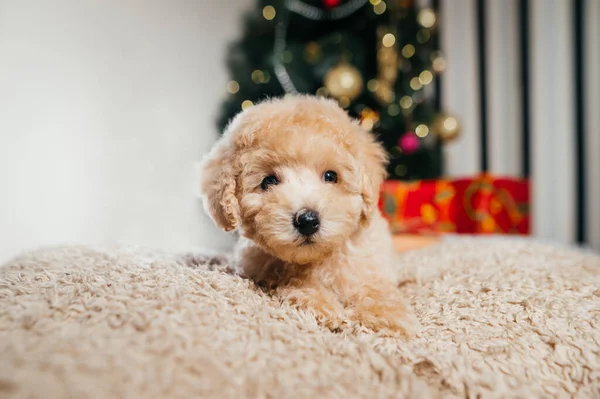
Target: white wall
592, 79
553, 120
459, 85
104, 108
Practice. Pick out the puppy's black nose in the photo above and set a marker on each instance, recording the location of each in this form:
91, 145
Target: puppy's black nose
306, 222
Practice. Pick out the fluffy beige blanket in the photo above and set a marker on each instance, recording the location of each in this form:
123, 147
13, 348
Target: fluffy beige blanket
506, 319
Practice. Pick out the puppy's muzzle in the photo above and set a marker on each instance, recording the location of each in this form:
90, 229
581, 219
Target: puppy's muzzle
307, 222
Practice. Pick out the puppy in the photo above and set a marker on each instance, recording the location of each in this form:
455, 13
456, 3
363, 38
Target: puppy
300, 182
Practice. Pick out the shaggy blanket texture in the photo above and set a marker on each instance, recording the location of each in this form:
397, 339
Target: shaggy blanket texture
506, 319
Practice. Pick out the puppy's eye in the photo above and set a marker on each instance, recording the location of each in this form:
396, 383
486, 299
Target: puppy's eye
330, 177
269, 181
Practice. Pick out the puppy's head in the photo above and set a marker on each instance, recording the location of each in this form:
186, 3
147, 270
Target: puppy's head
295, 175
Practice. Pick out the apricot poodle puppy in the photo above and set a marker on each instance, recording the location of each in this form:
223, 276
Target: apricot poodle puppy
300, 182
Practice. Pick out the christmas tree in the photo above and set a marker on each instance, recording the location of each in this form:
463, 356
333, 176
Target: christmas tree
379, 59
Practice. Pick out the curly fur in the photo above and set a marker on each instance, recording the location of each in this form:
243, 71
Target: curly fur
344, 274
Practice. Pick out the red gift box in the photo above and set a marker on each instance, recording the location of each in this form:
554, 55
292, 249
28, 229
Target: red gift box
481, 205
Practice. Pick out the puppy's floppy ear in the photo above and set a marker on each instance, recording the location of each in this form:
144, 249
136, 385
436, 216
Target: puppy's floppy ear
374, 160
221, 168
218, 186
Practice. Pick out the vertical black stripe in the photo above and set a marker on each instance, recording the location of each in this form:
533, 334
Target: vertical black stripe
482, 67
579, 71
438, 79
524, 66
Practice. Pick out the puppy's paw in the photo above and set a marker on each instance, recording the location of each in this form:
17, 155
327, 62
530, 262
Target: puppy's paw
389, 319
323, 305
329, 314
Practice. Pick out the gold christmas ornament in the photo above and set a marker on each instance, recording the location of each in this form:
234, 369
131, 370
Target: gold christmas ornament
421, 130
344, 80
322, 92
415, 84
379, 8
372, 85
385, 93
388, 40
388, 63
312, 52
233, 87
408, 51
438, 62
425, 77
447, 127
247, 104
258, 76
269, 13
344, 101
368, 118
426, 18
393, 110
406, 102
400, 170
